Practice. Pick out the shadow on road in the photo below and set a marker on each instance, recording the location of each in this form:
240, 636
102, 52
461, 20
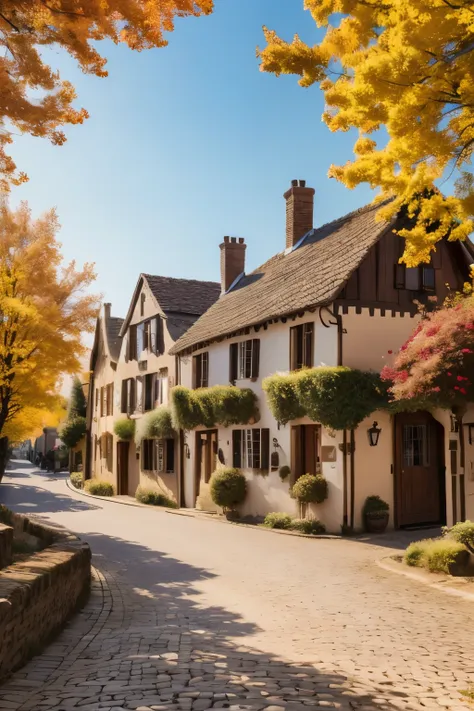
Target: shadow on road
161, 641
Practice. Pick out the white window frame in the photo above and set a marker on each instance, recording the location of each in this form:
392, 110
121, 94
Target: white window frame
245, 360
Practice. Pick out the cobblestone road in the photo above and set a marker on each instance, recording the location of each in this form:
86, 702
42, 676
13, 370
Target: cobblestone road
189, 614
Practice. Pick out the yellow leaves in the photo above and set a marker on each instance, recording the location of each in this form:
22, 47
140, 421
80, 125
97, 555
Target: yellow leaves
407, 65
27, 26
45, 308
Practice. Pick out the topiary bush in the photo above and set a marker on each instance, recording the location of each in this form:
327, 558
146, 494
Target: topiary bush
124, 428
311, 489
99, 487
284, 472
309, 526
218, 405
154, 498
339, 397
435, 554
462, 532
77, 479
278, 520
73, 431
228, 488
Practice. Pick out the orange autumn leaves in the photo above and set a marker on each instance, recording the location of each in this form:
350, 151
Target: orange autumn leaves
33, 97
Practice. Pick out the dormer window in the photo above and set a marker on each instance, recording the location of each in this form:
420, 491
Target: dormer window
415, 278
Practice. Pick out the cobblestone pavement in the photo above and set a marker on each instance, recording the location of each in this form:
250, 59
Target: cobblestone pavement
189, 614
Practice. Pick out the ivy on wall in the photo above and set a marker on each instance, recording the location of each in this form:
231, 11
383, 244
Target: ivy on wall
218, 405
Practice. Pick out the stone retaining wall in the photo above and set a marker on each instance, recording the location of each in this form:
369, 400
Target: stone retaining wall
6, 540
38, 594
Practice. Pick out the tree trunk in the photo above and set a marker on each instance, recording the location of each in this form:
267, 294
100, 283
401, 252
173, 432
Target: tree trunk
3, 455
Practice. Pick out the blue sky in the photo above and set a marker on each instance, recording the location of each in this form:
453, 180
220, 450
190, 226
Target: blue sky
184, 145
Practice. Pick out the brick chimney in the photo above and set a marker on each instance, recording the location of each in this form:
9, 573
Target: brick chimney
232, 260
299, 211
107, 311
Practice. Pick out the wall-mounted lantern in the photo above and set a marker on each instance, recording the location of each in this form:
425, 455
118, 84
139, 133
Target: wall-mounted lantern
454, 423
276, 443
374, 434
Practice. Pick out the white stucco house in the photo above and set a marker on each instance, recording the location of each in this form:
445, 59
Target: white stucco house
332, 295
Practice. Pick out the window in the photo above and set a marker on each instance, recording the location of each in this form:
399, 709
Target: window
158, 455
415, 446
251, 449
244, 360
142, 304
103, 396
201, 370
132, 343
305, 450
110, 399
107, 449
146, 336
128, 396
428, 278
301, 346
415, 278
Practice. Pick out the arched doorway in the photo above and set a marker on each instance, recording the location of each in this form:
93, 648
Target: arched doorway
419, 470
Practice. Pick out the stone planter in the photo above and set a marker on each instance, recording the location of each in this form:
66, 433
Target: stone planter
376, 522
463, 565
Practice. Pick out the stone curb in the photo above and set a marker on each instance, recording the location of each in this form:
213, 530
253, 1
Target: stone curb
203, 517
437, 581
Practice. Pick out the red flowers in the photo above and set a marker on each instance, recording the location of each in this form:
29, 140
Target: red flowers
390, 352
463, 350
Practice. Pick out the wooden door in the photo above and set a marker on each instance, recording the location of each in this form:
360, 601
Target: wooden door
122, 467
305, 450
418, 469
206, 456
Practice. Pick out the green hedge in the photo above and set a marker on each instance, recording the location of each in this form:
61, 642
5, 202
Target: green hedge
462, 532
99, 487
124, 428
338, 398
278, 520
154, 498
156, 424
207, 407
435, 554
77, 479
285, 522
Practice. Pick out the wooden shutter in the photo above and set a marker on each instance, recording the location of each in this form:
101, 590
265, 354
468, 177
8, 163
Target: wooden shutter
133, 395
127, 346
265, 449
160, 337
308, 336
205, 370
195, 372
255, 357
123, 402
237, 448
233, 361
294, 348
140, 392
132, 343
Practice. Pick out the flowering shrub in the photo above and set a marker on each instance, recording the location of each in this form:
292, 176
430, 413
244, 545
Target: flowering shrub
433, 367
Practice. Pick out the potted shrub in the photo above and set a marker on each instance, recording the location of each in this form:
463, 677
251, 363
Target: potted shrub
310, 489
375, 513
228, 489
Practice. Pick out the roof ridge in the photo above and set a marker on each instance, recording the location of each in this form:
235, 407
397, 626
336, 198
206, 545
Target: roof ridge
170, 278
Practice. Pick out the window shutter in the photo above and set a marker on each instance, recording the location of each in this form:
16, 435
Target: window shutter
160, 338
205, 370
255, 357
308, 335
265, 449
123, 403
237, 448
127, 347
233, 361
294, 348
139, 394
195, 372
133, 395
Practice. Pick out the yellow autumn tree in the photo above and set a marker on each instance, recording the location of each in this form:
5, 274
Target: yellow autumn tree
406, 66
44, 308
29, 26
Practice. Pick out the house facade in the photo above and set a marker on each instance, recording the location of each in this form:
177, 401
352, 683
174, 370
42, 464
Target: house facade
335, 295
132, 376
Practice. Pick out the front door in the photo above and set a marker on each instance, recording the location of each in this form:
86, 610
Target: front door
419, 469
305, 450
206, 457
122, 467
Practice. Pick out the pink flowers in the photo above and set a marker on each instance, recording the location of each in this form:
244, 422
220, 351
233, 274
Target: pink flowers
466, 350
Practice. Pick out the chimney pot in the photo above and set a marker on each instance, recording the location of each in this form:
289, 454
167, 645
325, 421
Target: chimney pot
107, 310
299, 211
232, 261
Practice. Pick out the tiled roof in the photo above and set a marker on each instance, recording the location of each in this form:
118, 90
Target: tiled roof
112, 327
184, 296
311, 274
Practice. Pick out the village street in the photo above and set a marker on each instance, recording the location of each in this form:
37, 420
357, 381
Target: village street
192, 614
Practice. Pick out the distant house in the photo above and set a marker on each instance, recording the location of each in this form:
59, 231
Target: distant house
333, 295
132, 373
